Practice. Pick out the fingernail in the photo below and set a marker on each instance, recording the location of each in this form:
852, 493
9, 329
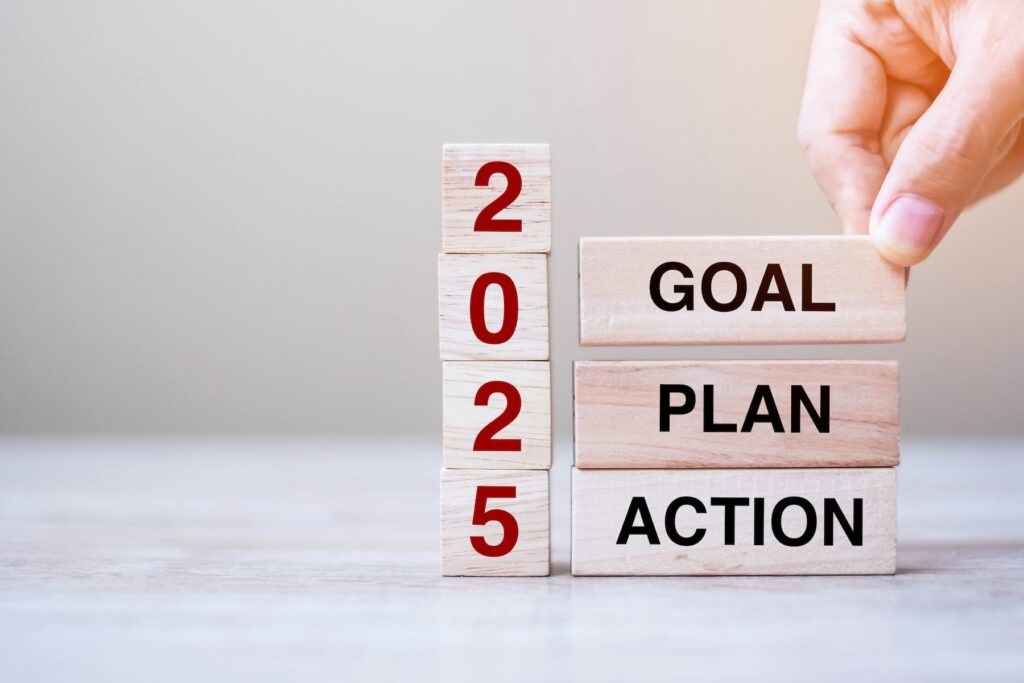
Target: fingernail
910, 225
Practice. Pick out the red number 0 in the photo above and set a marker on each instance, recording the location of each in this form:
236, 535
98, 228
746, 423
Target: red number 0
481, 515
510, 317
486, 221
485, 440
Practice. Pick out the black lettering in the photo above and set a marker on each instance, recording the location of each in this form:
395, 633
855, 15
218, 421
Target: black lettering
670, 521
708, 294
730, 505
763, 395
666, 410
638, 506
759, 521
773, 273
812, 521
709, 413
686, 290
807, 302
818, 416
854, 532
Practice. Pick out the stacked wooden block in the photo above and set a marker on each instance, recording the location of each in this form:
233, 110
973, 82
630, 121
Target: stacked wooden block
736, 467
493, 301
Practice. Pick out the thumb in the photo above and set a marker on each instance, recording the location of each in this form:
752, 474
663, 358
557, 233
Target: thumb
943, 160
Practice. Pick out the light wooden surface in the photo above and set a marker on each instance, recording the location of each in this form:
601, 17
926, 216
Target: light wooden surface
462, 199
529, 382
617, 414
528, 505
601, 502
457, 274
255, 561
617, 307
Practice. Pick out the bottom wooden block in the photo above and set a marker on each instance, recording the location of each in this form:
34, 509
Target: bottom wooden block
495, 523
734, 522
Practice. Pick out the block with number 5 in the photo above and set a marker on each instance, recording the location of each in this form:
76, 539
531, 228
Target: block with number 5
493, 307
496, 198
495, 523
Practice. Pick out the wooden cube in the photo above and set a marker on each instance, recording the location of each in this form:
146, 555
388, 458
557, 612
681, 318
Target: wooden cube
715, 414
734, 522
496, 198
738, 290
495, 523
497, 414
493, 307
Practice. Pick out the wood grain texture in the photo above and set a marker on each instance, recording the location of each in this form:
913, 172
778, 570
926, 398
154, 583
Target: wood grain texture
456, 275
617, 414
616, 307
462, 200
531, 509
464, 420
601, 498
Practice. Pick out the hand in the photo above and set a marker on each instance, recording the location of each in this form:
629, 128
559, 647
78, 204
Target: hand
911, 112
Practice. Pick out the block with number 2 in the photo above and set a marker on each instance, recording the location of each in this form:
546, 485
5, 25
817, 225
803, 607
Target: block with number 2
496, 198
497, 414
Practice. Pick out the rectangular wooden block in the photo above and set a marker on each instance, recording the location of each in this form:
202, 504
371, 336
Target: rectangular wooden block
738, 290
497, 414
714, 414
493, 307
495, 523
496, 198
734, 522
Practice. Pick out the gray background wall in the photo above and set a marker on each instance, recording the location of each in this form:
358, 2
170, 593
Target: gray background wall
224, 217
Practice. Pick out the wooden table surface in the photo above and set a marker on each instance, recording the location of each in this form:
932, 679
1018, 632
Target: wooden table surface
223, 560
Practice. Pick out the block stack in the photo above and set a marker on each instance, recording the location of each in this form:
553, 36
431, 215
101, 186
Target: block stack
736, 467
493, 304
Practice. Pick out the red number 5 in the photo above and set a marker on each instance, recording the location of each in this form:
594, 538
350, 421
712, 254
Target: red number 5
481, 516
486, 221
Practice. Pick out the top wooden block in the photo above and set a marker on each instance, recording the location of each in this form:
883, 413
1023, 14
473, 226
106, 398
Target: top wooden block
738, 290
496, 199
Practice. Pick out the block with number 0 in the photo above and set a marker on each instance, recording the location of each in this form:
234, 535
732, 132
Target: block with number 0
493, 307
497, 414
495, 523
496, 198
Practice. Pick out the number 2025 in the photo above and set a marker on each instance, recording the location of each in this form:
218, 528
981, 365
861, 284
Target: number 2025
485, 440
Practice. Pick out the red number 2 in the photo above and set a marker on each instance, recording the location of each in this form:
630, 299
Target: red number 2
481, 515
485, 440
510, 301
486, 221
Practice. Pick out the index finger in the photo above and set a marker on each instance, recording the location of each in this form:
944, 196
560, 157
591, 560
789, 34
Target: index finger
841, 117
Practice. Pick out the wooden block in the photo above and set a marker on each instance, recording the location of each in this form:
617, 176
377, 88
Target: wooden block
496, 199
734, 522
493, 307
497, 414
495, 523
687, 414
738, 290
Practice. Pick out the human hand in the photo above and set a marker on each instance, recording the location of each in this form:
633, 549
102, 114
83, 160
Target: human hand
911, 112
